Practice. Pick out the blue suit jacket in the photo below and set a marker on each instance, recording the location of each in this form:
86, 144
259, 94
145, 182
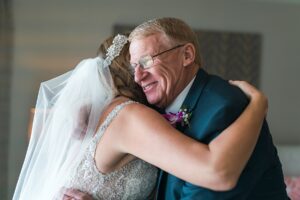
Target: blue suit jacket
215, 104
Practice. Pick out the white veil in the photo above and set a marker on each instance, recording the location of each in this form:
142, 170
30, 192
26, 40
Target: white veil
67, 112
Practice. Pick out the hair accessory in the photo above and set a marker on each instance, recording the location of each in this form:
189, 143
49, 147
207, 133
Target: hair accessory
114, 50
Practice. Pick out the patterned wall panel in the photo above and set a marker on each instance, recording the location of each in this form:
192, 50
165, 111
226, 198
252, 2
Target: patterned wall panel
231, 55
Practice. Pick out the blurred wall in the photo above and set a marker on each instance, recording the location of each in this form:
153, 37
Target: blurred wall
6, 44
53, 36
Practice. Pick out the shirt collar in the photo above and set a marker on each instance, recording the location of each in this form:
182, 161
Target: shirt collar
176, 104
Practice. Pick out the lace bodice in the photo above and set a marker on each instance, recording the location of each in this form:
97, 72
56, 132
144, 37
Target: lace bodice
135, 180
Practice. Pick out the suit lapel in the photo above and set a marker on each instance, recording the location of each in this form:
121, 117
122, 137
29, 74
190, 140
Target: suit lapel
195, 92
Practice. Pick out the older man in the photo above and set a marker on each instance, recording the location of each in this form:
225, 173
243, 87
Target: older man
167, 63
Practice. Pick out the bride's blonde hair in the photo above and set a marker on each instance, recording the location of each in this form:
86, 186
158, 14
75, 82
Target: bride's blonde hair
122, 72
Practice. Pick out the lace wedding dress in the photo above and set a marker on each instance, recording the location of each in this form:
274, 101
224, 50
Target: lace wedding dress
135, 180
63, 140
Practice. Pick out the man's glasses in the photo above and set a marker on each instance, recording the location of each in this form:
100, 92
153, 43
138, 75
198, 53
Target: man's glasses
147, 61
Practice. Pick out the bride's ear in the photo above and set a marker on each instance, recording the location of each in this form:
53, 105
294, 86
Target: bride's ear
189, 54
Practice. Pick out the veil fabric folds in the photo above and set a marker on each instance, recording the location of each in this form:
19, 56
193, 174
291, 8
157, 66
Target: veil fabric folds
67, 112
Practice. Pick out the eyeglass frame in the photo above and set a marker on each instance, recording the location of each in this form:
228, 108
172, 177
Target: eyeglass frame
143, 64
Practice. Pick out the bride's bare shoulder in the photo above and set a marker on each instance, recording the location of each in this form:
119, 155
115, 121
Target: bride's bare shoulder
119, 100
128, 110
134, 111
137, 114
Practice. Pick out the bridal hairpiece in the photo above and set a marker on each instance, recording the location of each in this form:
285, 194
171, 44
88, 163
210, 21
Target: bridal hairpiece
114, 50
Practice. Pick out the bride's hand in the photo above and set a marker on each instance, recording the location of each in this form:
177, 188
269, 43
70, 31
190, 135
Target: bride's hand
252, 93
81, 122
72, 194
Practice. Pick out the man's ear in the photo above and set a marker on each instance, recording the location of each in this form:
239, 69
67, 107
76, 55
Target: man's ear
189, 54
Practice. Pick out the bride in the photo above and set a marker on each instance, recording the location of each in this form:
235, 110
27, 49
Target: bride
91, 134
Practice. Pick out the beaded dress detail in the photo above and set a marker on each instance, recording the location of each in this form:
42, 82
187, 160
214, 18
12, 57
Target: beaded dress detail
134, 180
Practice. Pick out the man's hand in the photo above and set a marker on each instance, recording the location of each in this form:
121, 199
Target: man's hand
72, 194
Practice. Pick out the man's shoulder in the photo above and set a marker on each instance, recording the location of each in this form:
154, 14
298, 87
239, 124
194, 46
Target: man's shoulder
220, 90
218, 105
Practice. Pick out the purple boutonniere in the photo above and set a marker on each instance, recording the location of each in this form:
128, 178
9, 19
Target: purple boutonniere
182, 116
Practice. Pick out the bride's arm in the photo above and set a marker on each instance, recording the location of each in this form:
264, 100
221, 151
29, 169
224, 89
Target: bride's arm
217, 165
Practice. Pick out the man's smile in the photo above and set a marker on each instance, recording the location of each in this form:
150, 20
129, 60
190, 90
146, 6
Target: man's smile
149, 86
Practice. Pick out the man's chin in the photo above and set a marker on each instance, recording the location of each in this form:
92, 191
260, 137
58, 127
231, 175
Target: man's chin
153, 101
156, 103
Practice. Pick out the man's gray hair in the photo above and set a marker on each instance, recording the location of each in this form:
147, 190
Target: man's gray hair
176, 30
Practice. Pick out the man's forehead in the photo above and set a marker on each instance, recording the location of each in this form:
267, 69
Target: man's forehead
145, 46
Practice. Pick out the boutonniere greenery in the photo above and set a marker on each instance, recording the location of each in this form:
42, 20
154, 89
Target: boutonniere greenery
182, 117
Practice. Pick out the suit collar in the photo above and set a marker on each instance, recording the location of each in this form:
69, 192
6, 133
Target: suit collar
195, 92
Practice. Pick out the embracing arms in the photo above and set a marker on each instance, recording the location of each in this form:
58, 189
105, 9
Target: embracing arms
145, 134
142, 132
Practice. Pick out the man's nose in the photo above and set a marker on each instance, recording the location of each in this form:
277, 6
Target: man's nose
139, 74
